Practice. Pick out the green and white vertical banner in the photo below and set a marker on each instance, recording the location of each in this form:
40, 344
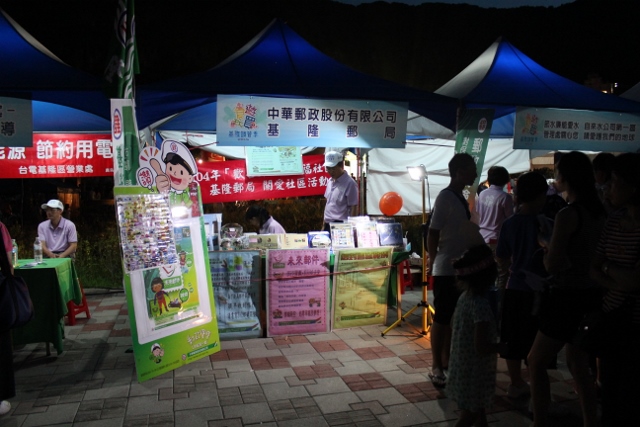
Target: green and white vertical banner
123, 60
474, 128
126, 142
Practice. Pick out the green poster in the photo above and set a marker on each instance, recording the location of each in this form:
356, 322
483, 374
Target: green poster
360, 282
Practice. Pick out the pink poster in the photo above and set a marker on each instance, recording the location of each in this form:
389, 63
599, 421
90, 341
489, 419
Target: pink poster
297, 291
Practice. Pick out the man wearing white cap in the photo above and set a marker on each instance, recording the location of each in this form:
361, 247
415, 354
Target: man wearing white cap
341, 192
57, 234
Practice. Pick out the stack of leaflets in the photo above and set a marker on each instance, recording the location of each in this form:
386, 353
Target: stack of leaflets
265, 241
294, 241
342, 235
319, 239
367, 235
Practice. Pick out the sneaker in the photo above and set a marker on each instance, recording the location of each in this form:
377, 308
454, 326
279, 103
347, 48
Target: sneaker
5, 407
514, 392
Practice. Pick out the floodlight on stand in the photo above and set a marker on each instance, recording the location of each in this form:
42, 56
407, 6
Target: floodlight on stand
419, 173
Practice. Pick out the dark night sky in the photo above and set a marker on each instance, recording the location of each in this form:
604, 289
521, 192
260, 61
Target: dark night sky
422, 46
481, 3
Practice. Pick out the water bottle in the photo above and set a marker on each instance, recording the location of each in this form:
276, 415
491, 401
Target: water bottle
14, 253
37, 251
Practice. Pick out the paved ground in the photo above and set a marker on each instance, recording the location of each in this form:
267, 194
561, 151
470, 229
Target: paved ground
351, 377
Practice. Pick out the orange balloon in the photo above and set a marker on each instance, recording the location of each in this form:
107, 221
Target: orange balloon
390, 203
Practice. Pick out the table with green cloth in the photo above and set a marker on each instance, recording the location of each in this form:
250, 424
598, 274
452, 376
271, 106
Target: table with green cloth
52, 285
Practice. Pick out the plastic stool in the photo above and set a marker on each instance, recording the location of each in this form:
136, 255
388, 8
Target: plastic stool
73, 308
404, 270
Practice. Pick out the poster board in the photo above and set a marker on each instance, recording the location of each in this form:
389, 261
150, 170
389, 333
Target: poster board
360, 283
297, 291
167, 279
236, 278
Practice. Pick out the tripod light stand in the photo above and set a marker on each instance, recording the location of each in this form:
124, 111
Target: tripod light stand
419, 173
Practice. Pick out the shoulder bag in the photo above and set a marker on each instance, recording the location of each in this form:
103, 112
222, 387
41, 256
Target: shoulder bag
16, 308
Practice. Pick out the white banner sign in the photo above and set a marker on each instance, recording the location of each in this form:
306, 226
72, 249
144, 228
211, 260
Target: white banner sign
553, 129
16, 122
261, 121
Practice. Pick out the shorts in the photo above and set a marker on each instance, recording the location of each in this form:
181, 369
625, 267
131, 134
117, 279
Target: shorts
519, 325
563, 309
445, 298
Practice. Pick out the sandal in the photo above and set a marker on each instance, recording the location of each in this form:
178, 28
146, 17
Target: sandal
438, 380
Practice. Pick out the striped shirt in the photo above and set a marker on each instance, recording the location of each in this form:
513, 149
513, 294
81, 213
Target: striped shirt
621, 246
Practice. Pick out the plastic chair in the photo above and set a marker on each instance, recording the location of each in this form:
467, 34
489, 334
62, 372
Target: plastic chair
405, 275
73, 309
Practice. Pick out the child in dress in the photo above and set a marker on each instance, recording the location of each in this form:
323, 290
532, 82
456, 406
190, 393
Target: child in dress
472, 366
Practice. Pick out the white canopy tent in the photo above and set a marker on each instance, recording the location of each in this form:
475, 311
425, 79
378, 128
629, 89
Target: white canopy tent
387, 170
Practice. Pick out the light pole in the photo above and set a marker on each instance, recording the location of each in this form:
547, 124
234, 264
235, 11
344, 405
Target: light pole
419, 173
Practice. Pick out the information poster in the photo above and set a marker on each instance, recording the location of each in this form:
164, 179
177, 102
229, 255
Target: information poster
266, 161
297, 291
236, 277
360, 282
166, 271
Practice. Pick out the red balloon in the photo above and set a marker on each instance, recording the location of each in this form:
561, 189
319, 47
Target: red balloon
390, 203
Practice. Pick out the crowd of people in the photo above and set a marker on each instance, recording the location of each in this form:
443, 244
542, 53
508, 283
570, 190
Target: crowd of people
551, 261
563, 264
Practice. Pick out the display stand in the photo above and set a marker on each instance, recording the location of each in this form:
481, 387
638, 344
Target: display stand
427, 310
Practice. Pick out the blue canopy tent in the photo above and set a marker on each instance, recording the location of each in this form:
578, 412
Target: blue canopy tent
65, 99
633, 93
277, 62
503, 77
54, 118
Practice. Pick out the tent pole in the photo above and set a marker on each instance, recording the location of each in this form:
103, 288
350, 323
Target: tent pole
362, 207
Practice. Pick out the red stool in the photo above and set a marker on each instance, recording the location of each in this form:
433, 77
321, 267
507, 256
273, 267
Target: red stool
404, 275
73, 308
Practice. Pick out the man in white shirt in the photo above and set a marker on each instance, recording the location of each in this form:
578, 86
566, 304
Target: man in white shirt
445, 243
